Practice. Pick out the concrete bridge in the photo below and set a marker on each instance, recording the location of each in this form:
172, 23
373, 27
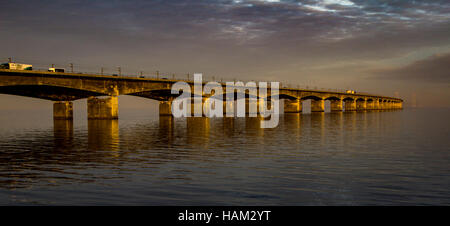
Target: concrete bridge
63, 88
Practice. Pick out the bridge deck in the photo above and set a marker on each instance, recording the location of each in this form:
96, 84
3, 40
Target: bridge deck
167, 82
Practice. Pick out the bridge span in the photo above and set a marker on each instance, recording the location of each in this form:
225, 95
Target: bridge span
63, 88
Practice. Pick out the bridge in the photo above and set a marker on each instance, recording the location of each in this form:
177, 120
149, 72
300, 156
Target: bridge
63, 88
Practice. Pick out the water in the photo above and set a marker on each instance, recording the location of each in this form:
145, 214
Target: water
364, 158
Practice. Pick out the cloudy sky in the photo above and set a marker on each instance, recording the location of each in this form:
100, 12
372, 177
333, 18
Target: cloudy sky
399, 48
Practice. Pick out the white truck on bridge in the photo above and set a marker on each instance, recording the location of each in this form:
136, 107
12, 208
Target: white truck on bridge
52, 69
16, 66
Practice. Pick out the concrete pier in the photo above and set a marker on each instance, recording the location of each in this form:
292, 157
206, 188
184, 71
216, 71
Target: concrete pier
251, 108
317, 105
335, 105
383, 105
376, 105
228, 106
350, 105
390, 105
165, 108
292, 106
370, 105
63, 110
361, 105
103, 108
197, 106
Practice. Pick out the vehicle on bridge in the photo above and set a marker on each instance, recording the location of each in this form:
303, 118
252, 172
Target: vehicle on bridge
52, 69
350, 91
16, 66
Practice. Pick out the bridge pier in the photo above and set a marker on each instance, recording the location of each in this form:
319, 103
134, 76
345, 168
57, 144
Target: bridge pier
292, 106
376, 105
383, 105
335, 105
391, 105
361, 105
165, 108
370, 104
228, 106
103, 108
197, 106
63, 110
317, 105
251, 108
350, 105
395, 105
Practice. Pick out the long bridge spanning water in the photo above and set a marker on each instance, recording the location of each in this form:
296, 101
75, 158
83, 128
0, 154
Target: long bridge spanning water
63, 88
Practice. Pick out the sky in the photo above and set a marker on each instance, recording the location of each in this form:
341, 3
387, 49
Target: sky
392, 48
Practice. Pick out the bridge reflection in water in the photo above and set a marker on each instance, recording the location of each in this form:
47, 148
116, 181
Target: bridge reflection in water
338, 158
103, 135
63, 133
200, 132
164, 140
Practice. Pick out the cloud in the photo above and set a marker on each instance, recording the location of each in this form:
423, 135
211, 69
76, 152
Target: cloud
251, 36
434, 69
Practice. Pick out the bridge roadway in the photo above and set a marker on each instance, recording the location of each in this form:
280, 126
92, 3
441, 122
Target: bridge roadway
63, 88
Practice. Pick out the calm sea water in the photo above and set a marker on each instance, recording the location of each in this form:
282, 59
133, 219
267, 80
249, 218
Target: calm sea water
364, 158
